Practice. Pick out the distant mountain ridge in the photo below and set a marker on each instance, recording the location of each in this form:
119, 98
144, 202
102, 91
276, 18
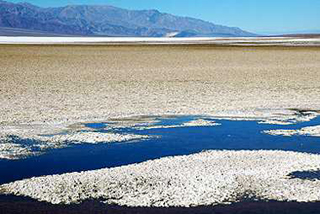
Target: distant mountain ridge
107, 20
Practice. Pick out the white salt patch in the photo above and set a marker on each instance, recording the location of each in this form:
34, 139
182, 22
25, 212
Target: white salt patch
307, 131
53, 40
275, 122
207, 178
201, 122
165, 40
14, 150
307, 117
93, 137
193, 123
270, 116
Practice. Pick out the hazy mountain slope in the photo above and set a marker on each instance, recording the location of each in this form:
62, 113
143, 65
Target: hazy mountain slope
107, 20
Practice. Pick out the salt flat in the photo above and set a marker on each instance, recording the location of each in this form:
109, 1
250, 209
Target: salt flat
52, 86
45, 89
48, 88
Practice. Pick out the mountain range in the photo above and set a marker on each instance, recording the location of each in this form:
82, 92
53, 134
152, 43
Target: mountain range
104, 20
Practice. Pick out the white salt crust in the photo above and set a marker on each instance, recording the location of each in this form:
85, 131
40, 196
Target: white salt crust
207, 178
292, 41
306, 131
13, 151
193, 123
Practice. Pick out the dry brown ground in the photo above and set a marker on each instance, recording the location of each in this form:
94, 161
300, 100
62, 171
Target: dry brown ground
71, 83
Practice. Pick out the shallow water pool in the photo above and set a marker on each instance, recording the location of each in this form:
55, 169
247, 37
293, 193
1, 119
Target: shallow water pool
229, 135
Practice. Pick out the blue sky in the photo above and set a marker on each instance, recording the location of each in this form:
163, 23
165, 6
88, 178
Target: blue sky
260, 16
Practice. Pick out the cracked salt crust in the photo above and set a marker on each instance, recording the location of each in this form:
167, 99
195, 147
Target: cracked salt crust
306, 131
207, 178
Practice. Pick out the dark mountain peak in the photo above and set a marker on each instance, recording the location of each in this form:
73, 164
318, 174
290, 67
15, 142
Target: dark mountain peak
107, 20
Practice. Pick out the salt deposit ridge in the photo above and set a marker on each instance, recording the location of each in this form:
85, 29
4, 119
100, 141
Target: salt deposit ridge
207, 178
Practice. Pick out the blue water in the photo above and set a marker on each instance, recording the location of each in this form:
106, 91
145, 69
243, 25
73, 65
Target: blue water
231, 135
